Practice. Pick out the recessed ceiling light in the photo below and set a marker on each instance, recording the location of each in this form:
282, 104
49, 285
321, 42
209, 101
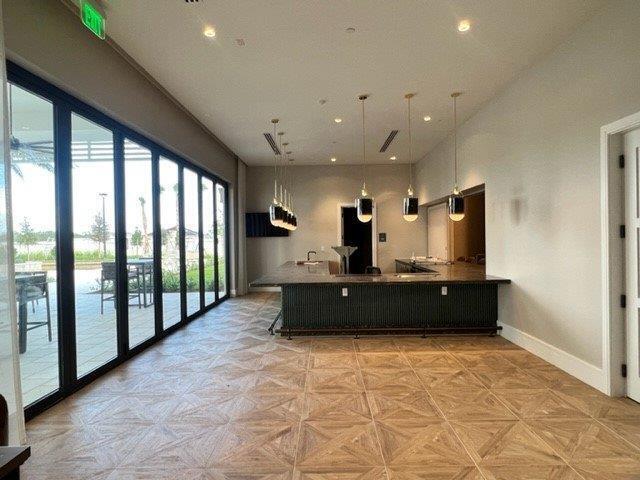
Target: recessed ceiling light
427, 118
337, 120
333, 159
464, 26
393, 157
209, 32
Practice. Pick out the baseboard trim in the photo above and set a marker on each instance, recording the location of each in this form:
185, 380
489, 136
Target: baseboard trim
264, 289
571, 364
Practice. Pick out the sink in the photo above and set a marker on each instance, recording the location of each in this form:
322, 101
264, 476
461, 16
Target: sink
307, 262
412, 275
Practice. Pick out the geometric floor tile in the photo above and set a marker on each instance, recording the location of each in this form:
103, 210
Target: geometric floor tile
586, 441
470, 404
454, 472
353, 407
537, 403
334, 380
530, 472
392, 379
433, 444
504, 443
334, 444
344, 473
403, 408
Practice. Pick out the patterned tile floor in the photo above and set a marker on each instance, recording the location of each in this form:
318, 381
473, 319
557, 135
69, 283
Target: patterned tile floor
223, 400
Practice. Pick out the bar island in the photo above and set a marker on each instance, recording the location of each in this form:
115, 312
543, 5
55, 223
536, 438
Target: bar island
457, 298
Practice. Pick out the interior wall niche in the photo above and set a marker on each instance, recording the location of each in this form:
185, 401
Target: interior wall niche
469, 233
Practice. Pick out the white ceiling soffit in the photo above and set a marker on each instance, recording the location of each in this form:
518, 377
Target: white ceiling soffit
297, 53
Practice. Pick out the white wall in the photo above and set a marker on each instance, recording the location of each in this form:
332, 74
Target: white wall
318, 192
536, 148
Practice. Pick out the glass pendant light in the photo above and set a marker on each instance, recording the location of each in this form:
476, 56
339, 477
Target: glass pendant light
456, 200
410, 203
293, 220
286, 221
276, 213
364, 203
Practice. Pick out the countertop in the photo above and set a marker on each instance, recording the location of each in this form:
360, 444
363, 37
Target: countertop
291, 273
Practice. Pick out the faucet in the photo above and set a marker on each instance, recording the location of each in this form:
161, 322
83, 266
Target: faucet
309, 254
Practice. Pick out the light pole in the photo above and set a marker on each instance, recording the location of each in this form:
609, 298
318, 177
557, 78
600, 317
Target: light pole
104, 226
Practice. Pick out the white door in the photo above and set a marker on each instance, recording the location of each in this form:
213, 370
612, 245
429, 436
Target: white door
437, 231
632, 251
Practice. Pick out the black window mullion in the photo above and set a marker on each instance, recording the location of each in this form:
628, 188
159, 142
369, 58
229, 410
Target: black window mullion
215, 241
183, 257
200, 242
122, 283
157, 243
227, 246
64, 244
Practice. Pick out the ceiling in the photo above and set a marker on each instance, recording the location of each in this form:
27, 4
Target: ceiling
299, 52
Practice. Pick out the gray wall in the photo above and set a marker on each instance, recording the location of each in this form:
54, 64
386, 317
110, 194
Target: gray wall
536, 148
318, 192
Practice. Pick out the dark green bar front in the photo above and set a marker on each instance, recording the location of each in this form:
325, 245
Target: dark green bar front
317, 308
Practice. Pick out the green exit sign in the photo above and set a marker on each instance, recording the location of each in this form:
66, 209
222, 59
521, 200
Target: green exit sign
92, 19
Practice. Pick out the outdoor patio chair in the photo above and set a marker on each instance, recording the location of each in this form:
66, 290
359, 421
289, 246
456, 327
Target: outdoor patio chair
32, 288
108, 277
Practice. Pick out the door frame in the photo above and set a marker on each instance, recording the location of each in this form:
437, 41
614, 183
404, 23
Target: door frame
612, 254
374, 229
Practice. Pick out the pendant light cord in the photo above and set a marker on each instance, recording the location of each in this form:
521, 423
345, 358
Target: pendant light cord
410, 191
455, 143
275, 165
364, 151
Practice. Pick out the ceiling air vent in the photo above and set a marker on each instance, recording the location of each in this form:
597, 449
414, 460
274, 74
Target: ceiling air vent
272, 143
388, 141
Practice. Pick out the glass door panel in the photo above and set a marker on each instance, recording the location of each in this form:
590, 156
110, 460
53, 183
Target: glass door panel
192, 240
169, 215
93, 244
138, 211
209, 235
221, 239
33, 203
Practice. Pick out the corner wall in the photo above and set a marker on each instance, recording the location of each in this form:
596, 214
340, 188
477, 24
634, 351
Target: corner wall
536, 147
318, 192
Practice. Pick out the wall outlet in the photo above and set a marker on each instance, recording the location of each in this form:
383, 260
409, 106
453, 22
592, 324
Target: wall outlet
443, 290
345, 292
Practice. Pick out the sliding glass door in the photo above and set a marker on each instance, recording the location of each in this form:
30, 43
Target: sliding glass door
221, 239
208, 241
33, 200
192, 239
117, 240
170, 240
139, 239
94, 244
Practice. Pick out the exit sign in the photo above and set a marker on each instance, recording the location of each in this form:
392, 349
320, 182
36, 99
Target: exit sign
92, 19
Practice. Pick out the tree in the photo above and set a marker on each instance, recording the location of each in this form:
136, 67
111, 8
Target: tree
99, 232
145, 238
136, 239
26, 236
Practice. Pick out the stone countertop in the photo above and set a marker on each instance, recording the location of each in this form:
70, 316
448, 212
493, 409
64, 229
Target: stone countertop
291, 273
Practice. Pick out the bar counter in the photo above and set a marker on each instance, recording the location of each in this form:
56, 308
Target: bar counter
438, 299
292, 273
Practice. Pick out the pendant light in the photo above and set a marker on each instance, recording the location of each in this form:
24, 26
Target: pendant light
287, 195
294, 219
410, 203
364, 203
276, 213
456, 200
286, 220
